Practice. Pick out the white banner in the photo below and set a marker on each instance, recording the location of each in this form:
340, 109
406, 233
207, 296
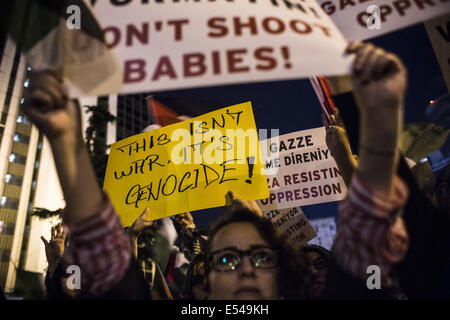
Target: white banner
164, 45
294, 224
439, 33
361, 19
300, 171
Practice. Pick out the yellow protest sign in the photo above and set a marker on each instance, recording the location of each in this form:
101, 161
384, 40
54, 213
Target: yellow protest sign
187, 166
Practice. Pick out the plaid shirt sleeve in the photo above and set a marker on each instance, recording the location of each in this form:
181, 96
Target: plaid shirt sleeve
101, 249
371, 230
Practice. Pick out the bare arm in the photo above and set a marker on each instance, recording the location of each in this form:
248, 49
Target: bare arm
59, 118
379, 82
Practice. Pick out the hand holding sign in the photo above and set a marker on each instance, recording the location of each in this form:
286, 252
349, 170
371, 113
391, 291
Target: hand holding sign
238, 204
379, 78
141, 223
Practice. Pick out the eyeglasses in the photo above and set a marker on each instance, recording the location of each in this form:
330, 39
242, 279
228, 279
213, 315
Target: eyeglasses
229, 259
320, 263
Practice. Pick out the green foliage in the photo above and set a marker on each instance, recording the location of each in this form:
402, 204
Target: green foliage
43, 213
96, 138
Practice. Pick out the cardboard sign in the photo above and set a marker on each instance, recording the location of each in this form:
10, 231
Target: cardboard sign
293, 223
365, 19
300, 171
439, 33
173, 44
187, 166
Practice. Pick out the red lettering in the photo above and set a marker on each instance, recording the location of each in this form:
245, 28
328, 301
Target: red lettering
233, 60
238, 25
164, 68
194, 64
142, 36
307, 27
216, 62
385, 11
401, 5
265, 54
115, 32
279, 28
178, 24
134, 71
216, 23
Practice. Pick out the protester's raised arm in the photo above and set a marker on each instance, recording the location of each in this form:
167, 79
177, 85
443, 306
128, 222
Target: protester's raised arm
99, 246
50, 109
379, 82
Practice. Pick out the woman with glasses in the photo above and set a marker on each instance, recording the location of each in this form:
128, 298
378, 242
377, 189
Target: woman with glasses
248, 259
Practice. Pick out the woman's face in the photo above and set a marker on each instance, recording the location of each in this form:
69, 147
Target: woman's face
318, 267
246, 281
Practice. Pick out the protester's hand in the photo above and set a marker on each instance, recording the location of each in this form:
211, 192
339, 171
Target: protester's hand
184, 220
55, 247
336, 136
141, 223
47, 104
379, 77
240, 204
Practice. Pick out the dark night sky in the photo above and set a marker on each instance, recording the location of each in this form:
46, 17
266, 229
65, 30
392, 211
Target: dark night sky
292, 105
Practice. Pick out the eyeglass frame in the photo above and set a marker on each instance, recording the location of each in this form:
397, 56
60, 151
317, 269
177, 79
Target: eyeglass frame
243, 253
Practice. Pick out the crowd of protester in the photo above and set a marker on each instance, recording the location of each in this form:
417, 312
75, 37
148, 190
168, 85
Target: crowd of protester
386, 220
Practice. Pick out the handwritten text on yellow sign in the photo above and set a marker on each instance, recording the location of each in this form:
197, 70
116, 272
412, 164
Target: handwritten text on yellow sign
187, 166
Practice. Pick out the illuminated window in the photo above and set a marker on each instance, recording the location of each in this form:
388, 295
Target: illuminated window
13, 179
18, 137
9, 203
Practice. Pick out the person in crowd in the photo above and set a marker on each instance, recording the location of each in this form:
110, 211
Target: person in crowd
247, 258
427, 225
191, 241
55, 281
317, 259
98, 244
371, 231
195, 278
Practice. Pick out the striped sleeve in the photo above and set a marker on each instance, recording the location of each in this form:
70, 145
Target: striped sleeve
100, 248
371, 230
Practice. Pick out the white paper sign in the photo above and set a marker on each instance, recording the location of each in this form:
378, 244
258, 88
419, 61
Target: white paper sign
294, 224
172, 44
359, 20
300, 171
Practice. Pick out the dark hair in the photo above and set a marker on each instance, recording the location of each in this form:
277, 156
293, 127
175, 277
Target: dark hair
292, 269
443, 190
316, 248
194, 275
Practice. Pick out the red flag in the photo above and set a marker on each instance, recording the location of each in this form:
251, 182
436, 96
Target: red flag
162, 114
323, 92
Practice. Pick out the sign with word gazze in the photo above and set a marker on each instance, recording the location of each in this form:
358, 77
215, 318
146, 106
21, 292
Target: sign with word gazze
439, 33
293, 223
187, 166
172, 44
300, 171
365, 19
